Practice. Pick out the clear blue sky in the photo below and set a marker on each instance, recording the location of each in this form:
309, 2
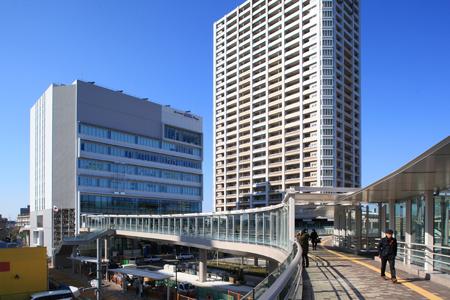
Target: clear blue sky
163, 50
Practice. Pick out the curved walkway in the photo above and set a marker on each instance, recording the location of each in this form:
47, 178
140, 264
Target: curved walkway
336, 275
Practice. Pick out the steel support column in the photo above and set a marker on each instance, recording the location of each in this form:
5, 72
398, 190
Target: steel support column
429, 226
408, 252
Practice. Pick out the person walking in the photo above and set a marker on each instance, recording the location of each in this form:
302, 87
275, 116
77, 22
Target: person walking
314, 239
387, 253
304, 243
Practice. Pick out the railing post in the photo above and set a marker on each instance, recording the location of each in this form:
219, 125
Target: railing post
291, 219
358, 229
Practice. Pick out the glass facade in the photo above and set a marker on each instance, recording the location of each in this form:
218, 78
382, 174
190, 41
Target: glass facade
119, 136
442, 231
138, 155
104, 166
116, 191
400, 220
131, 205
182, 135
418, 220
122, 185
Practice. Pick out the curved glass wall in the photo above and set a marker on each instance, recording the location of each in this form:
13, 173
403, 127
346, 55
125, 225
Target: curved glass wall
229, 226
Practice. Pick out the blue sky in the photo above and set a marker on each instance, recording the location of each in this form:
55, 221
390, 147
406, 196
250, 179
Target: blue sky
163, 50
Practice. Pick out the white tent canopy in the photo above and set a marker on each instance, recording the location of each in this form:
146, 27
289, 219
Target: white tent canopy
86, 259
141, 273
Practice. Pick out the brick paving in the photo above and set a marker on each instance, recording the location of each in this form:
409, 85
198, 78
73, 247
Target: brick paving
330, 276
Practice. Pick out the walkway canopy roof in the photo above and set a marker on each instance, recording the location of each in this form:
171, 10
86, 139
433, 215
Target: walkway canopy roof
86, 259
155, 275
429, 172
87, 238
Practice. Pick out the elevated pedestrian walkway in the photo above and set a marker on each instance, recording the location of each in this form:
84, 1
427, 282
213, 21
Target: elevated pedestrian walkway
337, 275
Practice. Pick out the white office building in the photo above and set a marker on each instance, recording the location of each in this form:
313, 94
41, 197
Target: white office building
96, 150
286, 99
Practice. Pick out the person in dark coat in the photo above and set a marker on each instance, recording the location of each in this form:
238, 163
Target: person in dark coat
304, 243
387, 252
314, 239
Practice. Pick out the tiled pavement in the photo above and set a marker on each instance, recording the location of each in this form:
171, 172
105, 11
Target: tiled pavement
332, 276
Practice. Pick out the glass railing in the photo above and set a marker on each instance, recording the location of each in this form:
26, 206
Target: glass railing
263, 226
284, 280
266, 226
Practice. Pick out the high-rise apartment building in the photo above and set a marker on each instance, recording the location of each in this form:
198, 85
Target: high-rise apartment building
286, 99
95, 150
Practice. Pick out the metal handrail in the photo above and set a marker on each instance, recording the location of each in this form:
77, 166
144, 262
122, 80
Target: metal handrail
292, 272
442, 247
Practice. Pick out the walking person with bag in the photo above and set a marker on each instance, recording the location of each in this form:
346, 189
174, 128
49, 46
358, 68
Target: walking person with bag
387, 252
314, 239
303, 240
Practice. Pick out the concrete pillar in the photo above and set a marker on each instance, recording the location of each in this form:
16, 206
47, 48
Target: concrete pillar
429, 235
202, 269
255, 261
407, 258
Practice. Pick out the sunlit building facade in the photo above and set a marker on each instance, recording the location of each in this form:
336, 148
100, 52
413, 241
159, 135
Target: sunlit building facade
286, 99
96, 150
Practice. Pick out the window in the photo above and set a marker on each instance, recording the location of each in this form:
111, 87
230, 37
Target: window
327, 62
138, 154
137, 186
130, 205
104, 166
136, 139
182, 135
327, 33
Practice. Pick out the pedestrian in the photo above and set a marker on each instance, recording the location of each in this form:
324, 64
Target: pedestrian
387, 252
124, 284
136, 284
314, 239
304, 243
141, 288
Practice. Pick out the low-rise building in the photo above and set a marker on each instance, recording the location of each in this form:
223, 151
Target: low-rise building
23, 271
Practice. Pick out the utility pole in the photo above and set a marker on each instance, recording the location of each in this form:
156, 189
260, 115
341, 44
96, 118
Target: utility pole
99, 268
